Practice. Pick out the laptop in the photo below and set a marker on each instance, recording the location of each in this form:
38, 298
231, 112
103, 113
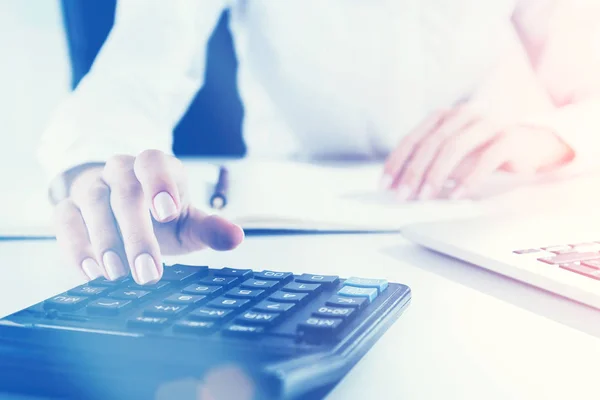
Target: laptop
558, 253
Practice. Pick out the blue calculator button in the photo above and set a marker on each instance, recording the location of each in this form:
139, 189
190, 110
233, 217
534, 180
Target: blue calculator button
380, 284
351, 291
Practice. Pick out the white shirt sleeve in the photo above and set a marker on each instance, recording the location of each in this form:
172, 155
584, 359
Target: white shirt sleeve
563, 40
142, 81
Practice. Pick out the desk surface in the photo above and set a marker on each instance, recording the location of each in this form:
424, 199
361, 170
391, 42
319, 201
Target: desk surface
469, 334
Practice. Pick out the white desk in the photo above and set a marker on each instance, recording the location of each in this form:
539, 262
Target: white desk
468, 334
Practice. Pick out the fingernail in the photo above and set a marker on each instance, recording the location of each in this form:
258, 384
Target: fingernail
426, 192
145, 269
386, 182
164, 205
403, 192
91, 268
114, 266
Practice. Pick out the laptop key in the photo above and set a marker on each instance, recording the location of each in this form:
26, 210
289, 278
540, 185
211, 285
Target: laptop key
592, 264
582, 270
107, 306
87, 290
271, 306
128, 294
65, 302
526, 251
566, 258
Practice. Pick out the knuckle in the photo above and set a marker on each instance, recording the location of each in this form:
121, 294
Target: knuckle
149, 157
66, 211
127, 189
117, 165
97, 192
135, 239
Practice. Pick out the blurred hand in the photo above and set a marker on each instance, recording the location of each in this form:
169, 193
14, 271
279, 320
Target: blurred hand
123, 215
461, 147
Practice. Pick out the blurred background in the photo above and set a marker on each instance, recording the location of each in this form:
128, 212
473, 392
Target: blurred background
49, 46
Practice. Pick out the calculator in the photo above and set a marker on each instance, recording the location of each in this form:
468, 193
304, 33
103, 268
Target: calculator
285, 335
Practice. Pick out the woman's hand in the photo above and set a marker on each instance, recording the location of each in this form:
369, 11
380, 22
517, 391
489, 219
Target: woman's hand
465, 148
123, 215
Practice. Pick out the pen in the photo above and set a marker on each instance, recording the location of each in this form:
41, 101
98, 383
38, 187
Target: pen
218, 199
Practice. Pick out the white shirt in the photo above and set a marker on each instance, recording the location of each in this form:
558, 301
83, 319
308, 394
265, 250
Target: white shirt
335, 77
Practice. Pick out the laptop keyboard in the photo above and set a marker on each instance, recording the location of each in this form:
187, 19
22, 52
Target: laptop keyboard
580, 258
233, 302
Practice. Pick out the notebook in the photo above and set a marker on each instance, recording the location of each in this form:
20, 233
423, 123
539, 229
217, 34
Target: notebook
277, 195
301, 196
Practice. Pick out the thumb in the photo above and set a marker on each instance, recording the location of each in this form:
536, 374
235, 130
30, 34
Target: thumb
198, 230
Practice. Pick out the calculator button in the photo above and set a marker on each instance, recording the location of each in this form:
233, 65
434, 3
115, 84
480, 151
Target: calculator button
107, 306
160, 285
65, 302
106, 282
582, 270
297, 287
570, 257
379, 284
222, 302
181, 273
149, 323
197, 327
238, 273
320, 326
249, 294
128, 294
87, 290
334, 312
591, 263
341, 301
164, 310
204, 313
351, 291
288, 297
184, 299
273, 275
270, 306
258, 284
242, 330
202, 289
322, 279
224, 281
259, 318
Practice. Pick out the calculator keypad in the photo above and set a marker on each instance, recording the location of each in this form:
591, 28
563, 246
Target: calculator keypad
233, 302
